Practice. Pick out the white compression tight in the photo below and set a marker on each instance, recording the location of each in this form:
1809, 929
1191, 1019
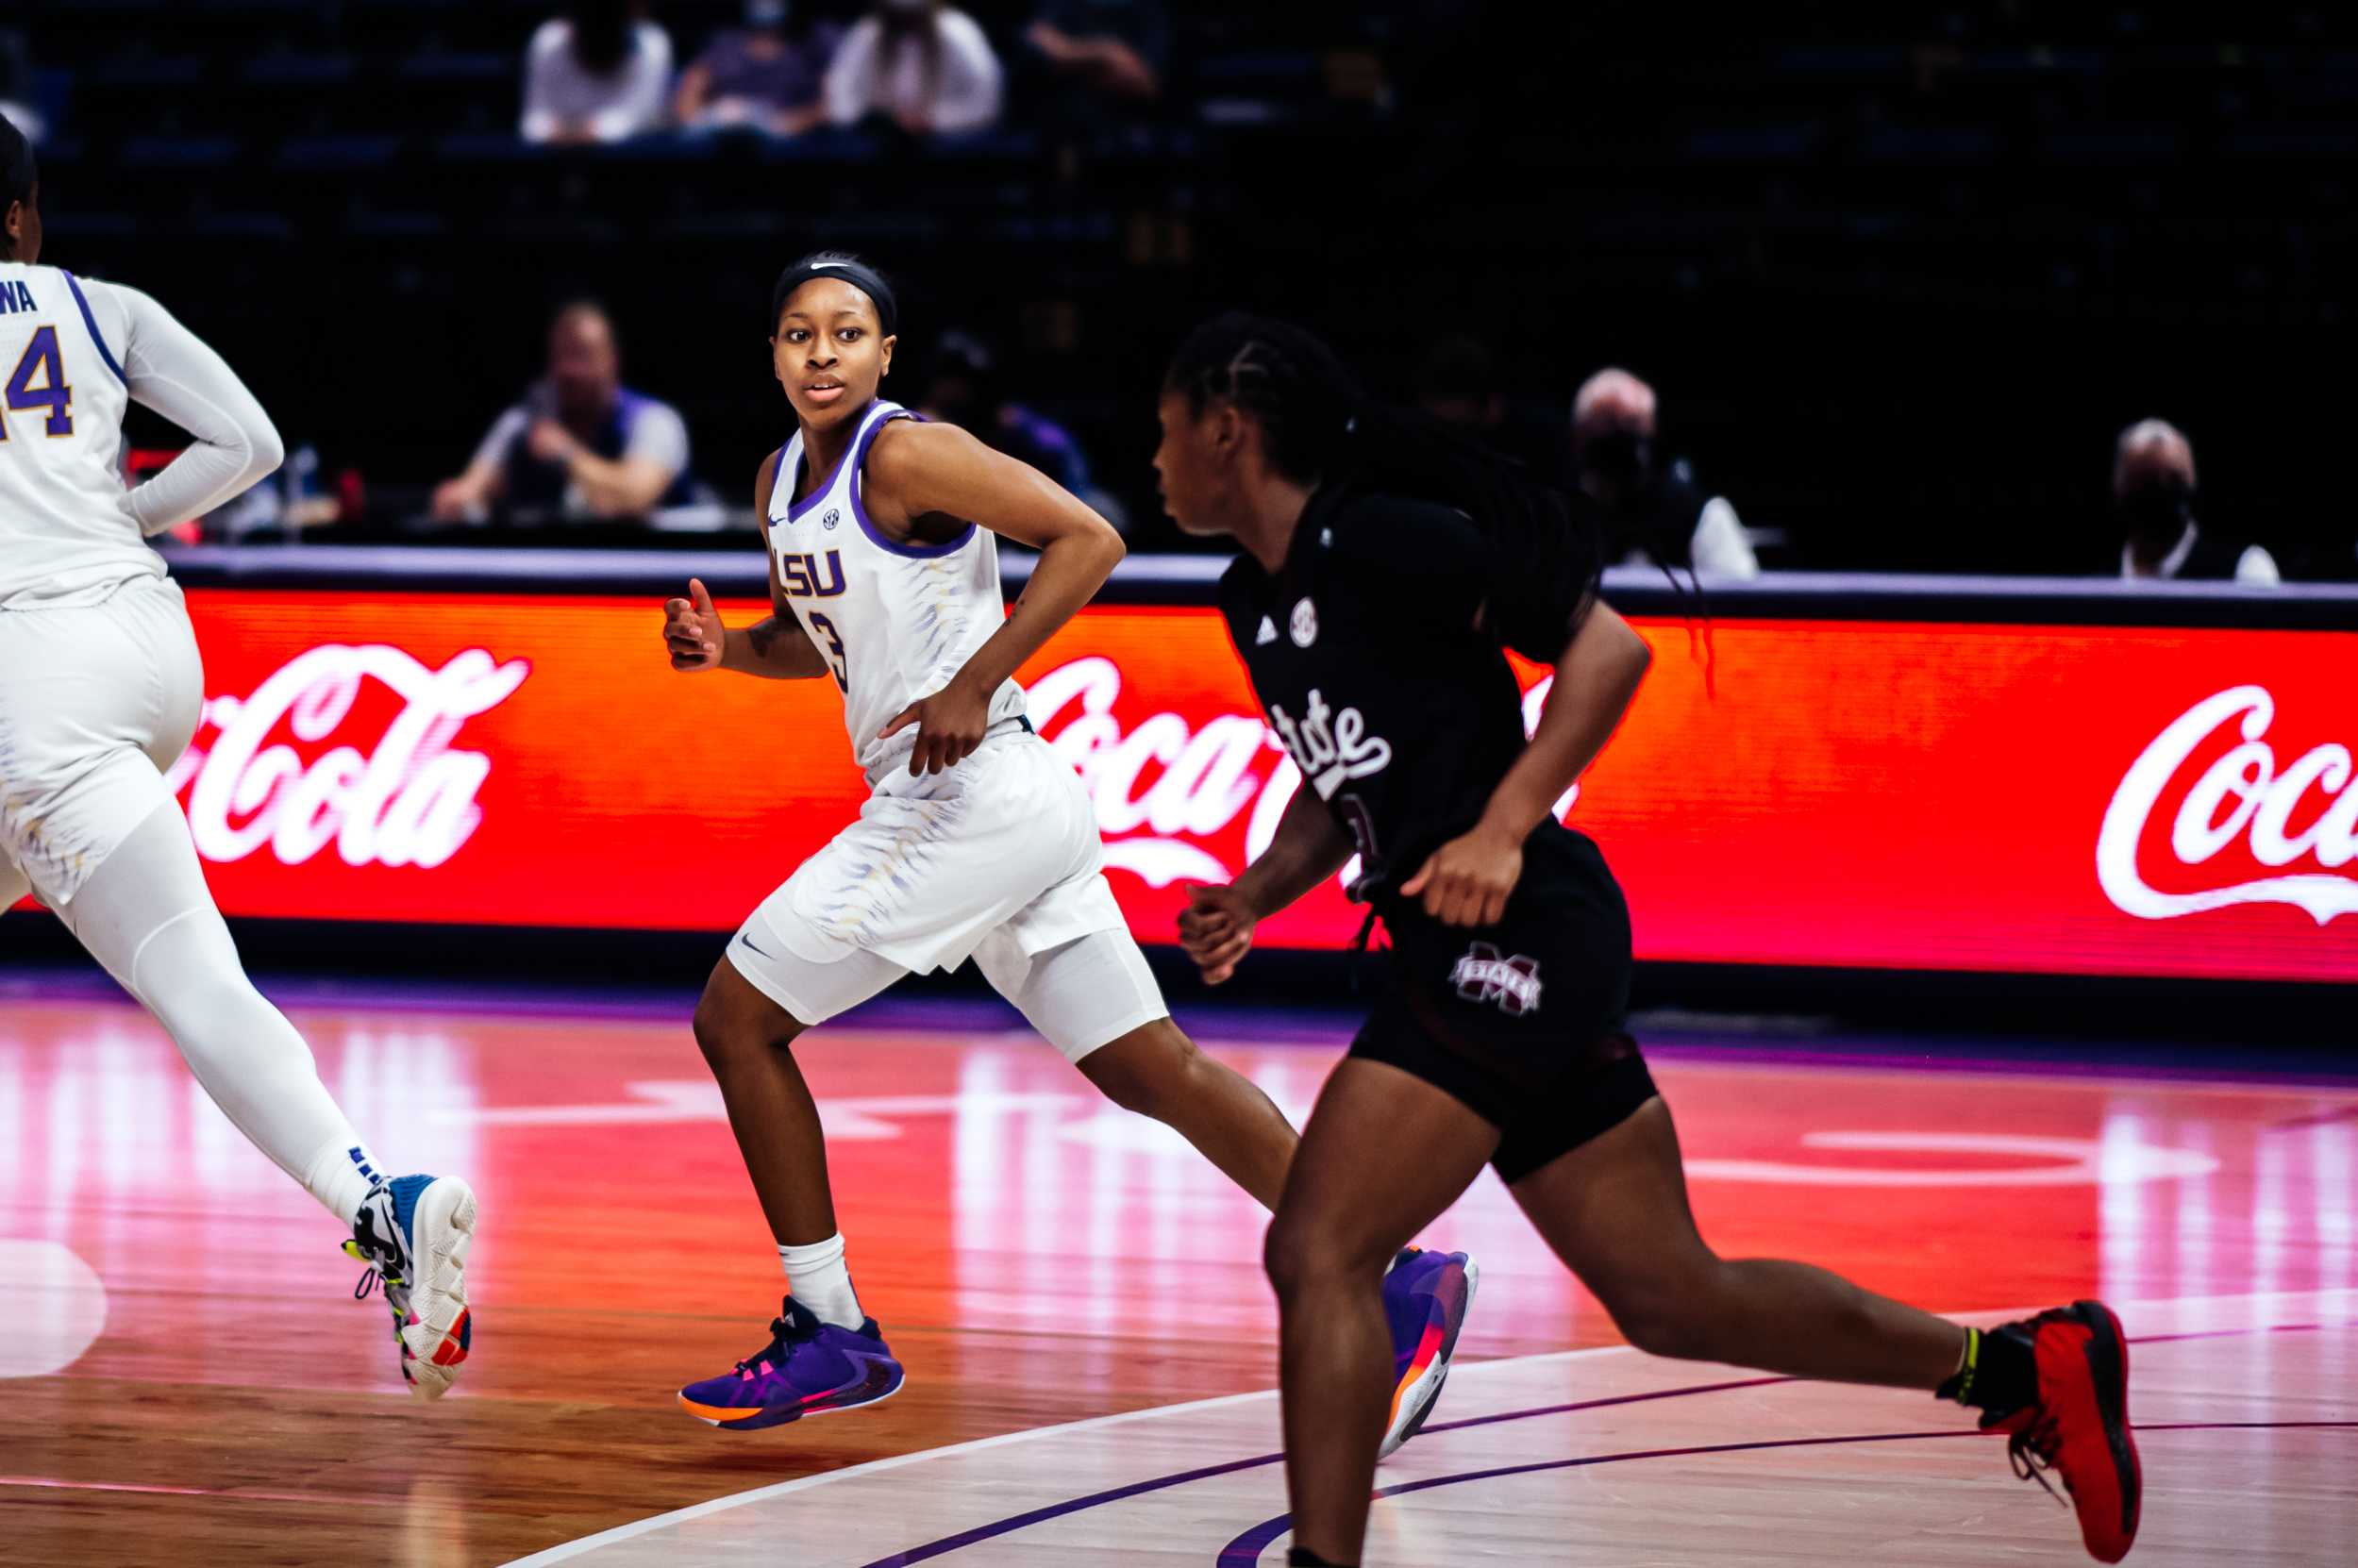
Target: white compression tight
148, 918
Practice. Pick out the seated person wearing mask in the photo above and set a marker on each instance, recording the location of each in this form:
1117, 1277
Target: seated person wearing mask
581, 445
2153, 492
919, 64
967, 389
1657, 514
761, 76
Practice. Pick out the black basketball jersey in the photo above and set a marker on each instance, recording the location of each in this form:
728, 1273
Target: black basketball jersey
1376, 652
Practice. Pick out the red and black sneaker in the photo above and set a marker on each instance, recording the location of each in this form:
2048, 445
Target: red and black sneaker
2080, 1426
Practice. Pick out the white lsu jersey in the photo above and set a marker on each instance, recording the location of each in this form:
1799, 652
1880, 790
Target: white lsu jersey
62, 397
74, 353
895, 621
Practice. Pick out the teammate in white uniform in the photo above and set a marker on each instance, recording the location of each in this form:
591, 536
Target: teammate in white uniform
977, 841
100, 689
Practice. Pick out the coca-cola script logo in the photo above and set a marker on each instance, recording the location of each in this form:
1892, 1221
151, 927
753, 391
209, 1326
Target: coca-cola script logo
2242, 794
408, 800
1161, 831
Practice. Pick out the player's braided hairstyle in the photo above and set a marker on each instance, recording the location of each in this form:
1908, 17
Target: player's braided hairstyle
1316, 424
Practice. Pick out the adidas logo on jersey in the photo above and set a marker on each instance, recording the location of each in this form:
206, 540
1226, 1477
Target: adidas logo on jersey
1267, 634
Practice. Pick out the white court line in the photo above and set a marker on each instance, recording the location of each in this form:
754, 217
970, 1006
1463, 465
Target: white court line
637, 1528
565, 1551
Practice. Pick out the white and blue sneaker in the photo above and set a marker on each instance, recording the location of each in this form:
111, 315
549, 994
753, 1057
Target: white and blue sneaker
415, 1233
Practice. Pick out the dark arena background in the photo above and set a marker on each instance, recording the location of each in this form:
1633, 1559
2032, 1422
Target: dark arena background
1962, 390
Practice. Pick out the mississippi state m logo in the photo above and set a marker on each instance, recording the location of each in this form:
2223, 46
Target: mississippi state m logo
1484, 976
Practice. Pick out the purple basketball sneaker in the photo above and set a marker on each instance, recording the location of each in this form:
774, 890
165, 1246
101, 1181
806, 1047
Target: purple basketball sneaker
808, 1368
1426, 1296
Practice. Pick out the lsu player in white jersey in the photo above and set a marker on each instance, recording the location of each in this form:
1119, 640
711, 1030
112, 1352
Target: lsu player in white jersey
976, 842
100, 689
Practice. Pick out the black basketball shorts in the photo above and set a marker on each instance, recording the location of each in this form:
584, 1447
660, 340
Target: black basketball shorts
1523, 1021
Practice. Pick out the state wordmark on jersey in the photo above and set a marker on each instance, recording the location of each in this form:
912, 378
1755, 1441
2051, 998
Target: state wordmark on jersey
1330, 744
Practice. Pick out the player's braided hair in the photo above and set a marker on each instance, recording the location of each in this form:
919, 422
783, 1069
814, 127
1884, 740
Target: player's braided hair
1316, 424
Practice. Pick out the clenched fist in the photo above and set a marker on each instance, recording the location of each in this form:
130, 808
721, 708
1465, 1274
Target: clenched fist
693, 633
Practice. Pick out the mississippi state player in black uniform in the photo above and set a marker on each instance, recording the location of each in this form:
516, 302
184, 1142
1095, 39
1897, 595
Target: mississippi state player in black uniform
1384, 566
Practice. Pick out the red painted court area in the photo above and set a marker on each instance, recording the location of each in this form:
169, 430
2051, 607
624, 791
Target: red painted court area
187, 1381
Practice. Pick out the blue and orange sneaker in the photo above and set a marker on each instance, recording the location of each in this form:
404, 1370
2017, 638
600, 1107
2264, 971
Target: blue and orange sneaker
808, 1368
1426, 1296
415, 1233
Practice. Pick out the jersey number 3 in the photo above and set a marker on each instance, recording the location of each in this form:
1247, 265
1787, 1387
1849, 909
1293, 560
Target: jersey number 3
44, 362
833, 652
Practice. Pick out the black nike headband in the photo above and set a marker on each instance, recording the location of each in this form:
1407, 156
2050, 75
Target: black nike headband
857, 274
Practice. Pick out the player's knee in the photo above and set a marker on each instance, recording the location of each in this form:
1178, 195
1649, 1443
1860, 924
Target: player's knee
1660, 1326
196, 988
1285, 1255
1154, 1082
729, 1034
1302, 1253
1673, 1318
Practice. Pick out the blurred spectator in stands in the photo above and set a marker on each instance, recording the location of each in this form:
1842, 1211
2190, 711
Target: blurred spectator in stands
965, 387
599, 72
1459, 384
1658, 514
1103, 51
16, 86
2153, 495
925, 66
579, 444
761, 76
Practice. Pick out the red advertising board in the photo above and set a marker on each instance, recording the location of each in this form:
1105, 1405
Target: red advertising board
2093, 800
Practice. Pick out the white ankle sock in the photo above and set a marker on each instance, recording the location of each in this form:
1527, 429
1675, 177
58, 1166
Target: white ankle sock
342, 1176
818, 1279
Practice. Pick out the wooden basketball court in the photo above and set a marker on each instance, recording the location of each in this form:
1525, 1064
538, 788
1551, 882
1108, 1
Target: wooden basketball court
185, 1380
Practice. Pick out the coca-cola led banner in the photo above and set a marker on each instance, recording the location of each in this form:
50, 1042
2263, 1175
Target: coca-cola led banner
2093, 800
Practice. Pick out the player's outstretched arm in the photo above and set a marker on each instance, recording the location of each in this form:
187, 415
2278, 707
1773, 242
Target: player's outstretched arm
170, 369
918, 470
1309, 846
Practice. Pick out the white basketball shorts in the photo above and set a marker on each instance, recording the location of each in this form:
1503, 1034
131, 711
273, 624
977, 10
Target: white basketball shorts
996, 860
95, 703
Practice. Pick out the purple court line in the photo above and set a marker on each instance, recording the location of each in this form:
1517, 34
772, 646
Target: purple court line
1245, 1551
1600, 1403
1009, 1526
1098, 1499
2233, 1333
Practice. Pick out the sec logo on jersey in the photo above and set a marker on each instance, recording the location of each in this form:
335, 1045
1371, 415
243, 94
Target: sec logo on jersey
1304, 627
